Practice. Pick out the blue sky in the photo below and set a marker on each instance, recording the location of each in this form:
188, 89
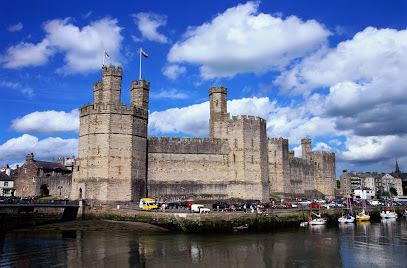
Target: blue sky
333, 71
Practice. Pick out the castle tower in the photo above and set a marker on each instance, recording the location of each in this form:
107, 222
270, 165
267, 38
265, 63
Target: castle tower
306, 148
218, 112
111, 163
139, 94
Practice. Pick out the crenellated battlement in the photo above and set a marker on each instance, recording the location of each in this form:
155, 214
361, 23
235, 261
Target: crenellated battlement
141, 83
248, 118
98, 108
97, 85
280, 140
219, 89
186, 145
112, 70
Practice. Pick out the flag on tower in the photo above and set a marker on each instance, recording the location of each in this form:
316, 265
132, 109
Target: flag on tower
107, 55
143, 53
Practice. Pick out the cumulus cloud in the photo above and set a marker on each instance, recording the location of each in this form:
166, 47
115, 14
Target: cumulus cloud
147, 24
27, 54
174, 71
15, 27
82, 47
48, 123
243, 40
47, 149
169, 94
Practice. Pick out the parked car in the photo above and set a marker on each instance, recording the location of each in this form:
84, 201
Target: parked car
198, 208
220, 204
315, 205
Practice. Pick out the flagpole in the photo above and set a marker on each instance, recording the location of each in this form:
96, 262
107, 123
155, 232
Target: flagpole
140, 65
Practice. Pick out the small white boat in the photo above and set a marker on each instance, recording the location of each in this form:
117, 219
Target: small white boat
387, 214
318, 220
363, 216
346, 219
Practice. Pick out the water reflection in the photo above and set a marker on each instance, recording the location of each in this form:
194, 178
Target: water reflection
349, 245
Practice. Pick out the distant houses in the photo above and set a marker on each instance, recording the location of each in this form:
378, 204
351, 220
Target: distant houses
370, 185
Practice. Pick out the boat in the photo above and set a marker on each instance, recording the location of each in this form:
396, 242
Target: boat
388, 214
346, 219
318, 220
363, 216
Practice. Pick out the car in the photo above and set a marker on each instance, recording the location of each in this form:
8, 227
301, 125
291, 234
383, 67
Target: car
315, 205
198, 208
220, 205
304, 203
173, 205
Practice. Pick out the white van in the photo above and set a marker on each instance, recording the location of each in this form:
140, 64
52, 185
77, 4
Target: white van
197, 208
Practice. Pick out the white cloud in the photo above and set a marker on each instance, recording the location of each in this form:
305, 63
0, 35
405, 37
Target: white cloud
243, 40
15, 27
147, 24
374, 148
27, 54
17, 148
169, 94
48, 122
371, 57
173, 71
82, 48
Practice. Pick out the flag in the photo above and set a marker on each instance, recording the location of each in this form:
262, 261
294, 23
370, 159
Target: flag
106, 55
143, 53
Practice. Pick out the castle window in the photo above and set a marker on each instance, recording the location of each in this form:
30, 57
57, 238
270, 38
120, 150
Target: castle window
77, 168
234, 158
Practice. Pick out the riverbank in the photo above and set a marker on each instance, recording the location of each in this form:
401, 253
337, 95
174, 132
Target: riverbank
96, 224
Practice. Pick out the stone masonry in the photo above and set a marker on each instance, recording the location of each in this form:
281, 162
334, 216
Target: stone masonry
117, 162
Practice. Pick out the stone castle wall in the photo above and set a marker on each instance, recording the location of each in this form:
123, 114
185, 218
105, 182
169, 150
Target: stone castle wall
117, 162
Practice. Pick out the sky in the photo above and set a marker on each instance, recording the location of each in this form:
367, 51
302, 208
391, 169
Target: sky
333, 71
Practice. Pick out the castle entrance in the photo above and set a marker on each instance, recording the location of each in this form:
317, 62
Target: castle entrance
44, 191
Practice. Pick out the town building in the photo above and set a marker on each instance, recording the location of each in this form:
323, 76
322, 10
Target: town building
6, 181
118, 162
42, 178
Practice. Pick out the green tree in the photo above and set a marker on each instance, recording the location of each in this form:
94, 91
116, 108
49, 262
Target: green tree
393, 191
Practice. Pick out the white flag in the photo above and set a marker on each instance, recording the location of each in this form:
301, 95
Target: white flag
106, 55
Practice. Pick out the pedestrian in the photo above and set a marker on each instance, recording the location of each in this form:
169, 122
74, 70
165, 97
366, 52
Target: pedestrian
252, 208
244, 208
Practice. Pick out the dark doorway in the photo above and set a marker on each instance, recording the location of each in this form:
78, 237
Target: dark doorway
80, 193
44, 191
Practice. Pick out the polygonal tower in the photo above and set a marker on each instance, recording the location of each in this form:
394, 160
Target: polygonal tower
111, 164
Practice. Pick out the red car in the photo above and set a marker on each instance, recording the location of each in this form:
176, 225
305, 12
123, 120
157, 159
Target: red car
315, 205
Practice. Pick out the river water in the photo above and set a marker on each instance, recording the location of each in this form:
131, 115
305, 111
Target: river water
375, 244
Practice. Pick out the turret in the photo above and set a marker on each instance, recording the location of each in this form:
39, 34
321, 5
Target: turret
218, 110
139, 93
306, 148
108, 91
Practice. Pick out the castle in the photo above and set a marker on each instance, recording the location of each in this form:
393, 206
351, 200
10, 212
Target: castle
118, 162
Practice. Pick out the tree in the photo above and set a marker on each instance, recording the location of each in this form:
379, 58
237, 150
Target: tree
338, 184
393, 191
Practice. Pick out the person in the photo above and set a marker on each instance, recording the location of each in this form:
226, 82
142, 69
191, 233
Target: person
244, 208
189, 206
163, 207
252, 208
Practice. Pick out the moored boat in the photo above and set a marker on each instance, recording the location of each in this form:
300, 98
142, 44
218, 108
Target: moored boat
318, 220
346, 219
388, 214
363, 216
